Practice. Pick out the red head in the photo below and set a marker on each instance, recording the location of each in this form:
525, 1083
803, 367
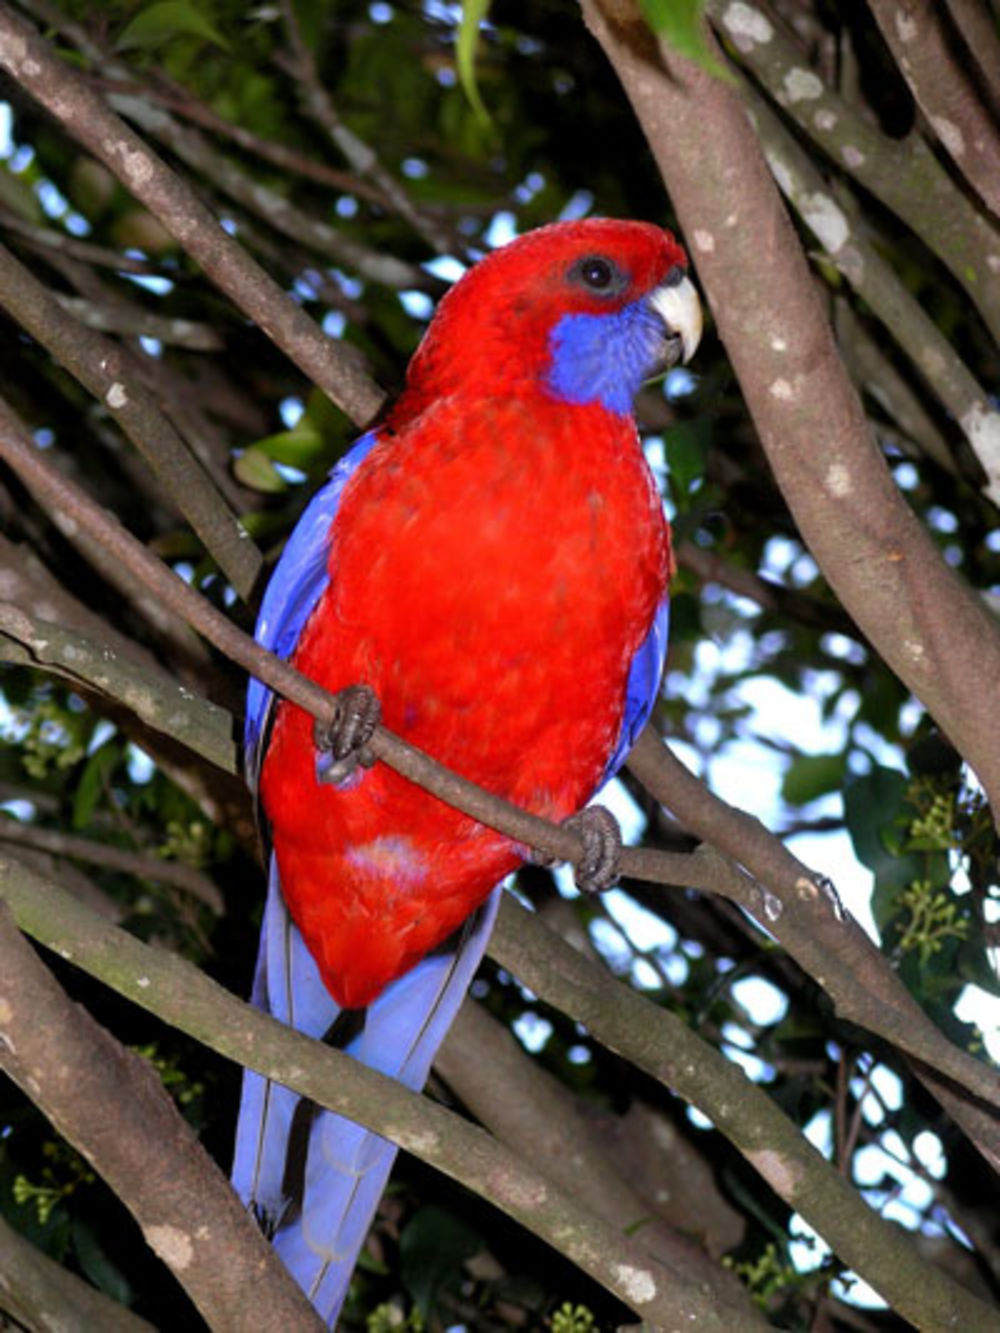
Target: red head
582, 310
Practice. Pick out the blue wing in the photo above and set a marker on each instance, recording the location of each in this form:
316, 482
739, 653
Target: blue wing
642, 688
295, 587
315, 1178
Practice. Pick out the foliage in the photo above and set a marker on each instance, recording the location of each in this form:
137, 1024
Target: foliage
771, 690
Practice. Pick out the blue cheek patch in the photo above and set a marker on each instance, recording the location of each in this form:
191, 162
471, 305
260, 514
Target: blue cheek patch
605, 358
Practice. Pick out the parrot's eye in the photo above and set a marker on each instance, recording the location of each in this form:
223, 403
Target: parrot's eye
674, 277
599, 275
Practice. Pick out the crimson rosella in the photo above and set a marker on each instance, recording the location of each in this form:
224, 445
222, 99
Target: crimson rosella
492, 561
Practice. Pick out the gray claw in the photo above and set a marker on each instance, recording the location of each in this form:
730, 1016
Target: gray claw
342, 739
600, 865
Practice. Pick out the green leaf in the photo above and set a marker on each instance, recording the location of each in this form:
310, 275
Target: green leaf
96, 1264
166, 20
466, 41
687, 447
254, 469
870, 803
93, 781
681, 24
812, 775
433, 1247
297, 447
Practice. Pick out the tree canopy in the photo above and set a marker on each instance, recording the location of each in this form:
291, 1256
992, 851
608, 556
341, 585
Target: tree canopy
708, 1095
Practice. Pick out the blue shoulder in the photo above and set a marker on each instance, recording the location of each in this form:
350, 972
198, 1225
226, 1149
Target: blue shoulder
642, 687
295, 587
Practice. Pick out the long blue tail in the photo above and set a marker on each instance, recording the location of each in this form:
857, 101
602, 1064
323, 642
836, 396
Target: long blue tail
314, 1178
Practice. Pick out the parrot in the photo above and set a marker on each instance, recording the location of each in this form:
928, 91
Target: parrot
487, 570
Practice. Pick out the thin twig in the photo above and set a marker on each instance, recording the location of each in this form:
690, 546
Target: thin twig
175, 873
362, 157
101, 366
86, 118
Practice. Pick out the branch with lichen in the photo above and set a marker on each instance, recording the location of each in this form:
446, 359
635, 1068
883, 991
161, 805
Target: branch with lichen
905, 175
917, 35
267, 205
832, 219
110, 1105
922, 618
794, 903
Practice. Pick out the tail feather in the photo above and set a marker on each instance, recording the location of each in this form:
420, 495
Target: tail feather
314, 1177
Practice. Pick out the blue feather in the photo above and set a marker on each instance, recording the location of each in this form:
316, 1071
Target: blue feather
605, 358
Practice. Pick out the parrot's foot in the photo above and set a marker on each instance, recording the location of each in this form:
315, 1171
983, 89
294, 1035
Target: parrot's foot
343, 738
600, 865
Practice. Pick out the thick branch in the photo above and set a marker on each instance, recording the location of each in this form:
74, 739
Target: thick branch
652, 1038
912, 1031
835, 225
804, 916
978, 26
530, 1110
923, 619
178, 993
658, 1042
112, 1107
905, 176
149, 693
47, 1298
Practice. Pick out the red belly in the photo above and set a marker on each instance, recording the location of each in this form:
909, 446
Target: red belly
492, 587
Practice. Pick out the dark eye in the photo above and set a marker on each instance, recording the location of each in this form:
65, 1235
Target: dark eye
675, 276
599, 275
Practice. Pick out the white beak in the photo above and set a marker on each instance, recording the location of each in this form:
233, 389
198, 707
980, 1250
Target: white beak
680, 309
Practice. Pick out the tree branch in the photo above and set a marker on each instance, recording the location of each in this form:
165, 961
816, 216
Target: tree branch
169, 708
362, 157
266, 204
891, 578
835, 225
916, 34
660, 1043
875, 374
905, 175
802, 913
47, 1298
657, 1041
175, 873
797, 888
86, 118
112, 1107
527, 1108
102, 367
175, 991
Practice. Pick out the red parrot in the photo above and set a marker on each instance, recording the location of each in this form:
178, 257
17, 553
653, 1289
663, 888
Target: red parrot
492, 560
